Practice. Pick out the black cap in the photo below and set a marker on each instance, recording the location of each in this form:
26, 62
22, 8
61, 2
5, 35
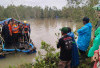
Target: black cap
86, 19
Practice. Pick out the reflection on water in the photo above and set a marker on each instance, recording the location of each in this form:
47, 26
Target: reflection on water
46, 29
40, 30
16, 59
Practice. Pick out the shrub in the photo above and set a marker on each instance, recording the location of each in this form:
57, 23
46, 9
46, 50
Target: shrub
49, 60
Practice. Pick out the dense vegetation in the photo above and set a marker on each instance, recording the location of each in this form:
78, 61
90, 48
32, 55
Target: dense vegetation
75, 12
27, 12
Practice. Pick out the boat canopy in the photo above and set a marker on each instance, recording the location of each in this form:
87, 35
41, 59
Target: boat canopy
2, 22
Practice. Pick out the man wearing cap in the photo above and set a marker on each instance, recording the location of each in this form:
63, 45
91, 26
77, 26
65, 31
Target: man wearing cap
84, 37
65, 45
26, 30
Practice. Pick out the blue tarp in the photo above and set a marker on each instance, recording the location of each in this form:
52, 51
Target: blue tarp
25, 51
2, 22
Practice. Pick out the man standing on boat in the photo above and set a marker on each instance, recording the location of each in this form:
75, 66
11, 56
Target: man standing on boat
6, 34
20, 32
26, 30
84, 37
15, 31
10, 27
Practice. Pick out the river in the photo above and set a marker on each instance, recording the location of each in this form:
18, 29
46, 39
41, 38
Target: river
41, 29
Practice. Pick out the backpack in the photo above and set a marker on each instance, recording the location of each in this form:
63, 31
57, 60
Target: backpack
68, 43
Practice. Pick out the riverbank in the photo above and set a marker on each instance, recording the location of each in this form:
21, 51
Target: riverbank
50, 59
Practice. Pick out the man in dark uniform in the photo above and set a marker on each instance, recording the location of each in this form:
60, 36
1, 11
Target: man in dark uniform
6, 34
65, 45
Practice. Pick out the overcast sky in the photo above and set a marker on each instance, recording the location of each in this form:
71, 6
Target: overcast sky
58, 3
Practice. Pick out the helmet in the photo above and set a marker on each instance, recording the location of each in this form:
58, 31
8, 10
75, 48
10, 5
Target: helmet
25, 21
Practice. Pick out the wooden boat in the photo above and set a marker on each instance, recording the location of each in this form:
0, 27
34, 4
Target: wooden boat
25, 47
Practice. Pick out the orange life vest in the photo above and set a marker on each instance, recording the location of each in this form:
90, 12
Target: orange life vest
15, 29
10, 28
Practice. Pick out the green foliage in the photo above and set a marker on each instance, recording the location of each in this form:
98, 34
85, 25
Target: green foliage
73, 13
25, 66
77, 13
28, 12
12, 67
86, 63
49, 60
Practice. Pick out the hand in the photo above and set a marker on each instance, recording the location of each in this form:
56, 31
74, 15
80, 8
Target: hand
95, 57
10, 34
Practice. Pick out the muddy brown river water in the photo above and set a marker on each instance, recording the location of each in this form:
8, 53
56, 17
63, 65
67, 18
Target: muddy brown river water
40, 30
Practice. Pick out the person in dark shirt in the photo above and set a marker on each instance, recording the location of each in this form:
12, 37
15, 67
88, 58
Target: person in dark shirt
6, 34
20, 32
65, 45
5, 30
